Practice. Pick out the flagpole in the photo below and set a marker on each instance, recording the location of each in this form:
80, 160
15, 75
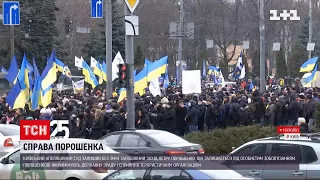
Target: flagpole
262, 48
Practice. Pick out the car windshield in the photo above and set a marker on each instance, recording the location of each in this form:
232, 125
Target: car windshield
10, 131
222, 174
165, 138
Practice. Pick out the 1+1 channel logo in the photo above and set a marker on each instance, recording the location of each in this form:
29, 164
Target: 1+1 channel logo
44, 129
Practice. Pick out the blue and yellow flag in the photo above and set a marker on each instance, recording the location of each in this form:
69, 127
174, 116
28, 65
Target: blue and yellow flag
61, 67
36, 91
97, 70
312, 77
46, 96
157, 68
49, 74
23, 78
13, 71
19, 94
104, 69
309, 65
140, 81
122, 94
89, 76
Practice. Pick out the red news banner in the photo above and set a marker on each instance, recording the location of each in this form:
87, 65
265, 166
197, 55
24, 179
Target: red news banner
288, 129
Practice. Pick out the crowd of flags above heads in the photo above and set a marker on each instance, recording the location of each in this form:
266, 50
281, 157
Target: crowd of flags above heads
29, 86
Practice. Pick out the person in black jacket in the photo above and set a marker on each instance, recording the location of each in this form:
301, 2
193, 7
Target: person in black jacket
88, 118
181, 112
202, 112
221, 114
311, 109
294, 110
97, 128
170, 118
143, 121
153, 116
234, 112
193, 117
116, 121
260, 108
211, 115
279, 111
80, 127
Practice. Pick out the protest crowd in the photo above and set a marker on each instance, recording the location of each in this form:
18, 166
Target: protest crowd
91, 116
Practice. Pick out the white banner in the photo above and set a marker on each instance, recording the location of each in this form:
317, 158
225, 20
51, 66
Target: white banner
191, 82
93, 62
154, 87
78, 62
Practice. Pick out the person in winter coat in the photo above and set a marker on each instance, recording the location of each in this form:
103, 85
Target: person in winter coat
97, 128
143, 121
153, 116
221, 114
18, 116
270, 114
279, 111
303, 125
80, 127
211, 115
88, 121
234, 112
294, 109
161, 116
192, 117
246, 117
202, 112
311, 109
170, 118
73, 124
115, 121
181, 112
260, 108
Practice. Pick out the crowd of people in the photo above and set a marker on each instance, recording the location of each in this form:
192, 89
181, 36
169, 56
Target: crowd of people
90, 115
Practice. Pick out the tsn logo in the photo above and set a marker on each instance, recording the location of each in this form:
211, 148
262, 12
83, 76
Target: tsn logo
40, 129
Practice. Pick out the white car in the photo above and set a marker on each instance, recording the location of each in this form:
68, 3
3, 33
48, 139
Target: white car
307, 146
9, 138
10, 165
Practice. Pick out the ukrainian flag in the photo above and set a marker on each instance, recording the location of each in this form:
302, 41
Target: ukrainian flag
46, 96
49, 74
89, 76
140, 81
157, 68
13, 71
309, 65
61, 67
19, 94
312, 77
99, 72
104, 69
122, 94
36, 91
23, 78
59, 64
16, 97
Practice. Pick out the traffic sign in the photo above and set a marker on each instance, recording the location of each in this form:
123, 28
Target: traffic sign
132, 4
96, 9
11, 12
